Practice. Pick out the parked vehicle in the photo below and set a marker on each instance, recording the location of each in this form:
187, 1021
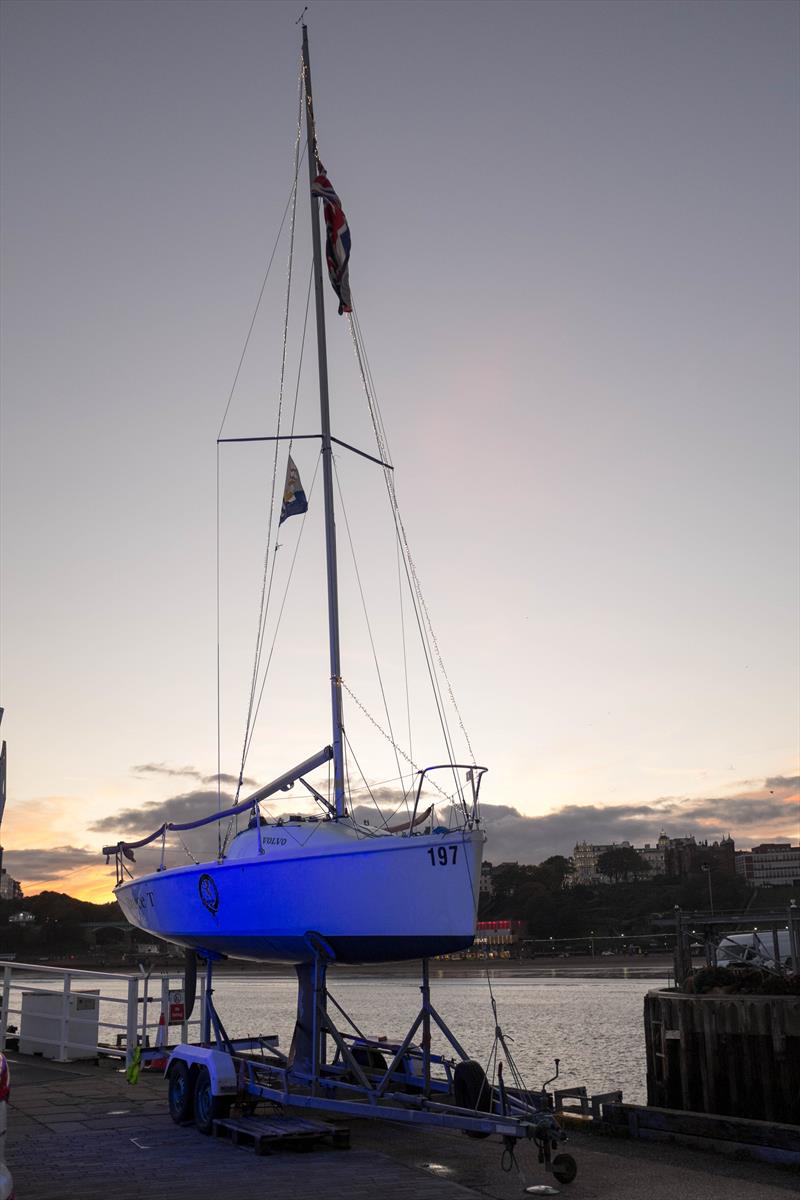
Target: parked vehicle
6, 1182
755, 949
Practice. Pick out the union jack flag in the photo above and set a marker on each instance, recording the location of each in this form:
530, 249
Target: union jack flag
337, 240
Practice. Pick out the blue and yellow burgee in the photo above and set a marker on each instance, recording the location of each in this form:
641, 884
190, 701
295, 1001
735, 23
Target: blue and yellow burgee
294, 498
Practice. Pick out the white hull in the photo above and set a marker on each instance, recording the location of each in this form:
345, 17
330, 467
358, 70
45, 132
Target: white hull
372, 899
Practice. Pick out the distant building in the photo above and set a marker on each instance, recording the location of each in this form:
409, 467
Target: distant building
685, 855
669, 856
586, 855
656, 856
773, 864
486, 887
9, 888
500, 935
22, 918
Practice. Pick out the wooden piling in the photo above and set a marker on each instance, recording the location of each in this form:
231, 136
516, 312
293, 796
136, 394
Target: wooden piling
734, 1055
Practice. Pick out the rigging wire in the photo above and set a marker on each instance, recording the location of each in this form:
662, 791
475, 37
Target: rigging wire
431, 650
262, 627
405, 656
219, 702
364, 781
424, 623
393, 495
292, 194
397, 748
275, 637
380, 437
501, 1040
281, 609
264, 593
369, 625
292, 197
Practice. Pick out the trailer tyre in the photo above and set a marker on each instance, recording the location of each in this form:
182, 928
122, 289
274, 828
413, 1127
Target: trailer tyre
208, 1108
471, 1090
179, 1093
564, 1168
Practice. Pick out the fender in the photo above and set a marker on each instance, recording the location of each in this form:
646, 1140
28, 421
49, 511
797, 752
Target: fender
219, 1065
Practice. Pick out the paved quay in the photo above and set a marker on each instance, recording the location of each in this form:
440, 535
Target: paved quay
82, 1131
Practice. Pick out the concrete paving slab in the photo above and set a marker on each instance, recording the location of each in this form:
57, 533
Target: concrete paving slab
120, 1141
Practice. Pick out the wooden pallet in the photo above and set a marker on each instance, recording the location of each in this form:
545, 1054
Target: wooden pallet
280, 1132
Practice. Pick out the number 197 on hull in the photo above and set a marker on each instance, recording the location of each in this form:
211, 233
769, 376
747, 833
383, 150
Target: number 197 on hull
443, 856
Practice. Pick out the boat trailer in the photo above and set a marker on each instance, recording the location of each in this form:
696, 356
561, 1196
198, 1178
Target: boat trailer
366, 1077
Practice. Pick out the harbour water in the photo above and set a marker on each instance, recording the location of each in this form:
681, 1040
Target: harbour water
592, 1022
590, 1018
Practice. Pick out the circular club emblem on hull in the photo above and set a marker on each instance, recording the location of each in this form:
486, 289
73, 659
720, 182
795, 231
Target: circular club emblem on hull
208, 893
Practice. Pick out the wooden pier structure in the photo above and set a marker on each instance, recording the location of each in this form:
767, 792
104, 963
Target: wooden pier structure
733, 1055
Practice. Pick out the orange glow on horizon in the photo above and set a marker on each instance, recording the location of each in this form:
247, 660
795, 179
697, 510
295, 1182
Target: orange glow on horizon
95, 884
95, 881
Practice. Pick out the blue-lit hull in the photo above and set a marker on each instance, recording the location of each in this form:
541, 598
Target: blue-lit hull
378, 899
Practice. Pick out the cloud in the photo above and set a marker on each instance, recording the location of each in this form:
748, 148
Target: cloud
757, 815
137, 822
202, 844
792, 782
48, 864
390, 802
162, 769
188, 772
769, 812
755, 812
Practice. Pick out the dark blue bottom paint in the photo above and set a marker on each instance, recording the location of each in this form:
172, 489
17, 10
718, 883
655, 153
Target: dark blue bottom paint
347, 949
395, 949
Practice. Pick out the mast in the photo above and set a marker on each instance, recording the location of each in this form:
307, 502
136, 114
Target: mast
327, 453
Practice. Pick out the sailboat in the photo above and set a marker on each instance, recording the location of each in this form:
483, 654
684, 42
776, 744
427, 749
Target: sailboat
283, 889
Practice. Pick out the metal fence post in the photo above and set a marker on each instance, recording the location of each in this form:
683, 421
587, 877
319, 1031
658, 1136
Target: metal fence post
145, 1002
63, 1037
680, 972
5, 1004
185, 1021
132, 1021
205, 1022
165, 1006
776, 949
203, 1026
794, 936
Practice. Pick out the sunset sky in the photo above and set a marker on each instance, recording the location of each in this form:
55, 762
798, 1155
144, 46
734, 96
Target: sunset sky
576, 267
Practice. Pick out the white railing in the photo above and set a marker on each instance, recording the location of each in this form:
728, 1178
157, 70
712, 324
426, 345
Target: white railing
128, 1012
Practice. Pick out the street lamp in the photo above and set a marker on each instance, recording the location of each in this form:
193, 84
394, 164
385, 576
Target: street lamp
706, 867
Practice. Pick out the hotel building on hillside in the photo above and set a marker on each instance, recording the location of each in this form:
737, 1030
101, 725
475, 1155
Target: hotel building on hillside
669, 856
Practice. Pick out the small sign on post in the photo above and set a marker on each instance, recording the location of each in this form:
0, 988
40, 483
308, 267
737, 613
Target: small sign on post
177, 1007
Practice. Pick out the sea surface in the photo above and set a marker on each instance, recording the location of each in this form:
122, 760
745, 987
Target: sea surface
591, 1023
590, 1019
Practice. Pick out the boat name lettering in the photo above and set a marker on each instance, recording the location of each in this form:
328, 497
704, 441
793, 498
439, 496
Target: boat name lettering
440, 857
274, 841
143, 899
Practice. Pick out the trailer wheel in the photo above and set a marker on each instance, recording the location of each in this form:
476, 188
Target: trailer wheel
179, 1093
369, 1058
564, 1168
471, 1090
208, 1108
